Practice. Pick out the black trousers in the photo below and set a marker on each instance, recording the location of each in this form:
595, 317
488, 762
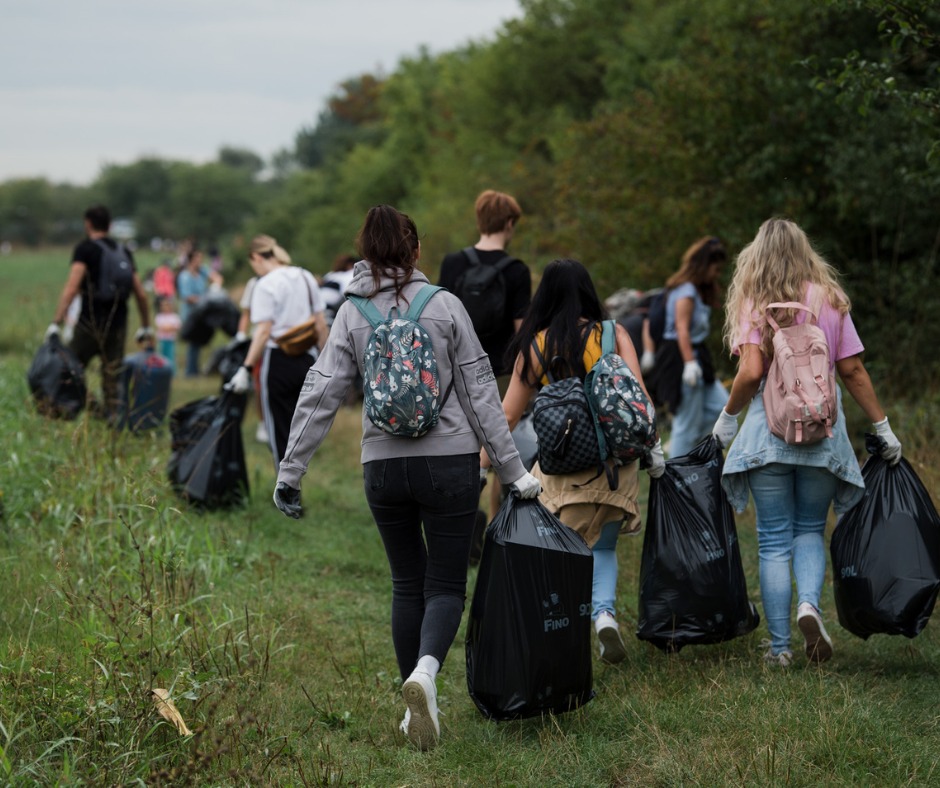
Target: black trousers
89, 341
429, 563
281, 379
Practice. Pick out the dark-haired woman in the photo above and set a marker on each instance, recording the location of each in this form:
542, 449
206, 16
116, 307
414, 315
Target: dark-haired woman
423, 492
683, 378
564, 322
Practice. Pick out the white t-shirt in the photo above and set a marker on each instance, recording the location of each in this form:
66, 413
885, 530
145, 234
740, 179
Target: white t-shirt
282, 296
245, 303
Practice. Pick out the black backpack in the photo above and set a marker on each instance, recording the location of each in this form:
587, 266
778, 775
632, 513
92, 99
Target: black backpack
115, 274
657, 316
482, 289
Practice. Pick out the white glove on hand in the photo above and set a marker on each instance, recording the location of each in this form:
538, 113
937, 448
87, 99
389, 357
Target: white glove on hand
52, 331
647, 360
656, 461
725, 428
691, 373
143, 335
483, 474
240, 382
892, 450
527, 486
241, 336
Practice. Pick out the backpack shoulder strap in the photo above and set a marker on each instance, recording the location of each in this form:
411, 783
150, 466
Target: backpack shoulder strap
608, 337
471, 255
424, 295
545, 370
368, 309
504, 262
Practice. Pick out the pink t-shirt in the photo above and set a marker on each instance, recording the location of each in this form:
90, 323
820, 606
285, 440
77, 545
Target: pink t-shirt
840, 331
167, 324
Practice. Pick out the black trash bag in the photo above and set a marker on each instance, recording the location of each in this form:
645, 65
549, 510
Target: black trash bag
692, 586
886, 552
207, 464
214, 311
226, 360
528, 641
57, 380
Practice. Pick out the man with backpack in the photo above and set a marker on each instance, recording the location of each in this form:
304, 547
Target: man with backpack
494, 287
103, 274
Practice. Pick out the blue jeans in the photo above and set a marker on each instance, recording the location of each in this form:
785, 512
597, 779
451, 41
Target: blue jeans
792, 503
604, 586
696, 415
425, 509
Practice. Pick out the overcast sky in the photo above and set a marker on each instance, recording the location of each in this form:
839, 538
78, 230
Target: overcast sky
89, 82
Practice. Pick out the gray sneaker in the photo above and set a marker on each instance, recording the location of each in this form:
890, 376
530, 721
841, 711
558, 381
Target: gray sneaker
608, 637
818, 643
782, 660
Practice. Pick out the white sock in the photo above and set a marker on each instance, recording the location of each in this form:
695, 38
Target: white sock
428, 664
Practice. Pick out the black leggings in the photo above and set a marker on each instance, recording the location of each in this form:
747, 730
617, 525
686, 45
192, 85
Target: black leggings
429, 569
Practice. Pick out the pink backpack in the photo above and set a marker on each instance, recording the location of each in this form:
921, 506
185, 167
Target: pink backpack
800, 393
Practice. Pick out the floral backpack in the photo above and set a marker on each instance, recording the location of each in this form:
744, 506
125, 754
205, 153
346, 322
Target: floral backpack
401, 388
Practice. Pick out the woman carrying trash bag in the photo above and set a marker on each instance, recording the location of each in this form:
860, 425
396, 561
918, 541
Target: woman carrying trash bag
423, 491
793, 484
564, 323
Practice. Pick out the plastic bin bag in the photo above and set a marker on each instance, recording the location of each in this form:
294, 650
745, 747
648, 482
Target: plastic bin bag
227, 359
214, 311
207, 466
57, 379
692, 586
886, 553
528, 640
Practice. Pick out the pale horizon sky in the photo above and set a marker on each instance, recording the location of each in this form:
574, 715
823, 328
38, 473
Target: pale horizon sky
95, 82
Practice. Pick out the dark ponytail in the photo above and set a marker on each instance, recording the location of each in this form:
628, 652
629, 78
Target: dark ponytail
388, 241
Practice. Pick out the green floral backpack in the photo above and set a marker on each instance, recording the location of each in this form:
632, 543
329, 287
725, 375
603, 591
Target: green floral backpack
401, 388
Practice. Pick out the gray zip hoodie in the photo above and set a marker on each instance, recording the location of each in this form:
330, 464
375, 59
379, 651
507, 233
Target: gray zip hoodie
471, 416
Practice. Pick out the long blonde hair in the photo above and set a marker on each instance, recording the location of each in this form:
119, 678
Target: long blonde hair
268, 247
776, 266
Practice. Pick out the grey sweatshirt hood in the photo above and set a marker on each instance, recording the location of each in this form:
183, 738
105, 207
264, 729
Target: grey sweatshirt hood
363, 284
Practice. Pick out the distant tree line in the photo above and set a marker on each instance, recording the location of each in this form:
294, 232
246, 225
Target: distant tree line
626, 130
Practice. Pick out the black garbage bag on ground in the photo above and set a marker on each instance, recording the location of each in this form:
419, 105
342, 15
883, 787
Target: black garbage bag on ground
57, 379
226, 360
692, 586
528, 643
886, 553
207, 465
215, 311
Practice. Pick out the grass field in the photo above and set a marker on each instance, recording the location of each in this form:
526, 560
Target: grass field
272, 635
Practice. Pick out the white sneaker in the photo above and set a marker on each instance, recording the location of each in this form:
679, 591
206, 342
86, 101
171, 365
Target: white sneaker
261, 434
782, 660
608, 636
818, 643
420, 695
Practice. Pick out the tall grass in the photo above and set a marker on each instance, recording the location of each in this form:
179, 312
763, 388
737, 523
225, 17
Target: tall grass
272, 636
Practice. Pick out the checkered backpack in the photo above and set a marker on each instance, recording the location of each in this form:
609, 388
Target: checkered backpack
602, 421
401, 389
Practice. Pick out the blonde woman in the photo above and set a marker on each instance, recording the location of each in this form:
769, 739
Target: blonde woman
792, 485
284, 296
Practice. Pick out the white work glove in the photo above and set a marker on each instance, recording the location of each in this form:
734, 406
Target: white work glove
527, 486
725, 428
240, 382
241, 336
891, 451
143, 335
52, 331
656, 461
647, 360
691, 373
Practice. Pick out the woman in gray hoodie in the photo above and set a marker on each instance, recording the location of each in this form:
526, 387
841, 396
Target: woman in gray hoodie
423, 492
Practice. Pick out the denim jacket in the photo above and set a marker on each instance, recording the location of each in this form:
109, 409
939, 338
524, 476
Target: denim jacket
755, 446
